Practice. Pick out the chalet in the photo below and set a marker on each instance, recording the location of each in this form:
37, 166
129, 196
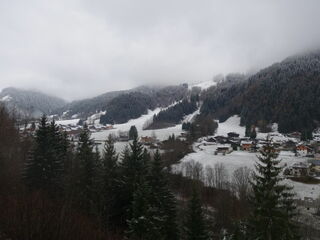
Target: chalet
74, 133
246, 145
123, 136
303, 150
299, 169
223, 149
148, 140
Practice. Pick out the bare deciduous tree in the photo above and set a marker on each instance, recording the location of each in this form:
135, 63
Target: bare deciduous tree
241, 182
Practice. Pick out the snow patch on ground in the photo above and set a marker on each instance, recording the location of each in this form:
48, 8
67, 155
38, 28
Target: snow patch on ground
6, 98
231, 125
204, 85
71, 122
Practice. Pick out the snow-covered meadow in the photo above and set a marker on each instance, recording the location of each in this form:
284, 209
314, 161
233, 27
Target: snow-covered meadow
204, 154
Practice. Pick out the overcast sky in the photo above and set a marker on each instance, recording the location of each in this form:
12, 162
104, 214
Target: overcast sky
80, 48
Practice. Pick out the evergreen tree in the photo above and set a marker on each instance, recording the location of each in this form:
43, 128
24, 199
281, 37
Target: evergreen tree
110, 176
248, 130
253, 133
195, 226
133, 133
143, 223
133, 169
44, 169
163, 199
272, 202
57, 152
87, 170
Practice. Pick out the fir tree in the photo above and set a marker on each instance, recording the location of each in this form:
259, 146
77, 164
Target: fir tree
110, 176
133, 133
57, 152
248, 130
195, 226
37, 166
272, 202
132, 170
143, 223
253, 133
87, 170
44, 169
163, 199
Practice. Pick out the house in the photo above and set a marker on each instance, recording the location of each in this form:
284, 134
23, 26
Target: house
300, 169
246, 145
74, 133
303, 150
123, 136
148, 140
223, 149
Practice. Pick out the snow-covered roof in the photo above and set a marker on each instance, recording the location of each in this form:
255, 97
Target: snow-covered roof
71, 122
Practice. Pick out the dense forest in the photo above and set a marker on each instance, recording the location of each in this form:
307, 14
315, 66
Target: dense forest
173, 115
29, 103
127, 106
286, 93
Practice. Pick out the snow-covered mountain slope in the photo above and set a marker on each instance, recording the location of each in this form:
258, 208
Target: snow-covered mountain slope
162, 96
28, 103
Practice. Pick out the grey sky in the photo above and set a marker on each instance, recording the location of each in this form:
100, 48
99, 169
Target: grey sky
80, 48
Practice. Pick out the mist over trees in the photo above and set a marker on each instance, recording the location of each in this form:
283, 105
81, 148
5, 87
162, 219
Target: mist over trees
286, 93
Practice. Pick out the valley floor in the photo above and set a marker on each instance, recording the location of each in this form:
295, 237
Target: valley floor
204, 151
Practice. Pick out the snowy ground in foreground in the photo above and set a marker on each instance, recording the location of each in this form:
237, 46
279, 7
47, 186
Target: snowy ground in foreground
204, 154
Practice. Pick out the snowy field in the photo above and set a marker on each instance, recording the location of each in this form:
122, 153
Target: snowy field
161, 134
231, 125
204, 154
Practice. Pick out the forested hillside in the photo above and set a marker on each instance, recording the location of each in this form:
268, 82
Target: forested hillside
286, 93
127, 106
28, 103
163, 96
173, 115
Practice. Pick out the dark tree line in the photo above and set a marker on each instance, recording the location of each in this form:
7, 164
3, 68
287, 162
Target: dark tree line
127, 106
174, 115
202, 125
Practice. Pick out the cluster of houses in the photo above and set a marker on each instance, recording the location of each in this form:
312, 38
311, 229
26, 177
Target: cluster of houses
72, 127
290, 142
